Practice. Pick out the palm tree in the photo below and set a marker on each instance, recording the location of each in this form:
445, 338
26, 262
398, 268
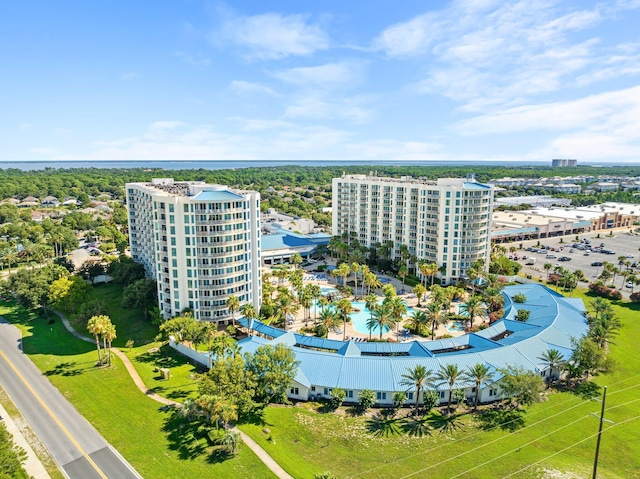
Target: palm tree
95, 326
398, 309
109, 335
329, 319
432, 269
10, 256
316, 293
449, 374
418, 378
287, 307
382, 317
599, 305
403, 272
344, 308
233, 304
419, 290
473, 307
355, 269
478, 374
552, 359
372, 282
370, 301
418, 321
249, 312
306, 301
295, 260
434, 317
342, 272
547, 267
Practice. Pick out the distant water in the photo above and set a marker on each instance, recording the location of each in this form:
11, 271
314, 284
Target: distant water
221, 165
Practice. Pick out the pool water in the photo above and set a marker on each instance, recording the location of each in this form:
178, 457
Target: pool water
455, 326
359, 319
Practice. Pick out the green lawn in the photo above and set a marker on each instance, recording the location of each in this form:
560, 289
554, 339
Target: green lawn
134, 424
305, 442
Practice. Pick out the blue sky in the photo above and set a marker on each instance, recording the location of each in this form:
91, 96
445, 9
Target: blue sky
521, 80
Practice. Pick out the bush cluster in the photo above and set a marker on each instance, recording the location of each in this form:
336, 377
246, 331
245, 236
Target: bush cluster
635, 297
603, 291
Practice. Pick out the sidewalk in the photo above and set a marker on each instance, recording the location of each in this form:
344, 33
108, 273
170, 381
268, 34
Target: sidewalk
251, 444
32, 465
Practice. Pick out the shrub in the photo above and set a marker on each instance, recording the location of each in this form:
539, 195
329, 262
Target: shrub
635, 297
337, 398
599, 289
523, 315
367, 399
519, 298
430, 399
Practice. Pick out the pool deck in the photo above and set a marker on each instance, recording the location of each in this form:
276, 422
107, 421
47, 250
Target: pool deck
411, 300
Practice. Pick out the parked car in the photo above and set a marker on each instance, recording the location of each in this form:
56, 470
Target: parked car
596, 263
628, 256
564, 258
551, 256
630, 284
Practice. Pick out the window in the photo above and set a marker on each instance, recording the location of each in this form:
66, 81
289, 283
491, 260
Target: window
350, 394
294, 391
170, 208
381, 396
441, 394
410, 396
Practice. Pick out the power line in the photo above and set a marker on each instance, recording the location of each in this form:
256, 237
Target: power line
569, 447
495, 427
519, 447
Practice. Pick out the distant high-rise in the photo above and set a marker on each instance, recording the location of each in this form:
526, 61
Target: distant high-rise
447, 221
564, 163
201, 243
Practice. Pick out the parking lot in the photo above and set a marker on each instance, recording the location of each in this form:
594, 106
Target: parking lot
621, 244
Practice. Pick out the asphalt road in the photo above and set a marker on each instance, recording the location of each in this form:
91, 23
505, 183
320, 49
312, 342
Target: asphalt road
622, 244
78, 449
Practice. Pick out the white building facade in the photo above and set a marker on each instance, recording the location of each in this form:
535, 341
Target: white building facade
200, 242
447, 221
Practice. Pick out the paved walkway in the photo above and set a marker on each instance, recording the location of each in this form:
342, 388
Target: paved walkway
251, 444
32, 464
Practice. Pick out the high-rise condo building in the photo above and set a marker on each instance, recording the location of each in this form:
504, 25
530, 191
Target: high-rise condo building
200, 242
447, 221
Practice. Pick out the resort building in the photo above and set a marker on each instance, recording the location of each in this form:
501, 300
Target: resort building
200, 242
447, 221
554, 323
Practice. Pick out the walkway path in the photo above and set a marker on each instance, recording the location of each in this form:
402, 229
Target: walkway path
251, 444
32, 464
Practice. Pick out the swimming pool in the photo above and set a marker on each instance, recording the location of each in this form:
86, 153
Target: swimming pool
359, 319
325, 290
455, 326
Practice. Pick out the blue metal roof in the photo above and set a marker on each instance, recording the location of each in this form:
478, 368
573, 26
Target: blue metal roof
282, 240
218, 195
553, 322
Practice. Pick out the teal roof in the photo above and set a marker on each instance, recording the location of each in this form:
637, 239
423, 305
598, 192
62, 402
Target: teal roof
218, 195
553, 322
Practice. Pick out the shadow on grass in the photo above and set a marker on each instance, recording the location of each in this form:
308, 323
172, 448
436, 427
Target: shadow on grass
416, 426
183, 435
65, 369
444, 424
505, 419
381, 425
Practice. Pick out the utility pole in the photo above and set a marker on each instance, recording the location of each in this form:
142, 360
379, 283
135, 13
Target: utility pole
602, 419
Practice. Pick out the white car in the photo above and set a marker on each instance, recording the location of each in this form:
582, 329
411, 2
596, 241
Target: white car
628, 256
630, 284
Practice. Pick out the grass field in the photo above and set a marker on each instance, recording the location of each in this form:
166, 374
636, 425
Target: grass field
557, 435
131, 422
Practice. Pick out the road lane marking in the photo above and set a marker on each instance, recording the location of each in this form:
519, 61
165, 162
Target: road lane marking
54, 417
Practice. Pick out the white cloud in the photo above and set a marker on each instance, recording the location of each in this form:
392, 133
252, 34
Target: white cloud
240, 87
273, 36
329, 75
196, 60
258, 140
352, 110
495, 54
395, 150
